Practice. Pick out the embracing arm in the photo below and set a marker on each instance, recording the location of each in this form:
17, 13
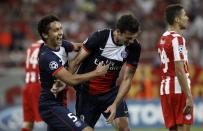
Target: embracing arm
75, 63
74, 79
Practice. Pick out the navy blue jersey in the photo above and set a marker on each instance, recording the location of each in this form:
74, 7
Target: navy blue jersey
103, 48
50, 62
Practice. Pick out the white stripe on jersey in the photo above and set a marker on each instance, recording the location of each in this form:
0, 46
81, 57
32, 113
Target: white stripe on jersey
165, 85
61, 54
112, 51
176, 49
177, 86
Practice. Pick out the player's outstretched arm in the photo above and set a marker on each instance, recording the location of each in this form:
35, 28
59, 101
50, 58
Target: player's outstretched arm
74, 79
75, 63
182, 78
123, 90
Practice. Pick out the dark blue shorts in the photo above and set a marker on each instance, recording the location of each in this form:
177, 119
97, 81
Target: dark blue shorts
58, 118
89, 108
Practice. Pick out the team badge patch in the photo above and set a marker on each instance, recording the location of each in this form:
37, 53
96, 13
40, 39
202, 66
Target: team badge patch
188, 117
180, 48
53, 65
124, 54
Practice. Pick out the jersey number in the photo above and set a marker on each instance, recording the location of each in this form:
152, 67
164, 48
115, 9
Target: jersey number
31, 60
73, 117
164, 59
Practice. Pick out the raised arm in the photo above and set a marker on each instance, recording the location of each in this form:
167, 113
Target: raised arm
75, 63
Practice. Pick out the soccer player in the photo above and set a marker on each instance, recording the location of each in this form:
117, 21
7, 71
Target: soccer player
103, 95
31, 90
176, 98
52, 66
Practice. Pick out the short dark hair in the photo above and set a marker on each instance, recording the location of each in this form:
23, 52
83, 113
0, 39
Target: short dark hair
43, 24
171, 12
128, 23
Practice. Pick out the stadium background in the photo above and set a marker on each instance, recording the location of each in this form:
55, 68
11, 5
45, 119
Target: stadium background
18, 20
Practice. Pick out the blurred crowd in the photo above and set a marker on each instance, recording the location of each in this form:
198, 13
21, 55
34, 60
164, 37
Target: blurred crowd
18, 20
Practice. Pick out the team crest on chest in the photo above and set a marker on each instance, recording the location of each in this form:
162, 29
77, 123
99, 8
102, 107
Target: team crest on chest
124, 54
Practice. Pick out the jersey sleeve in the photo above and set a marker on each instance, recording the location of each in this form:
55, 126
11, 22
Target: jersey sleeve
68, 46
179, 48
50, 63
93, 41
133, 57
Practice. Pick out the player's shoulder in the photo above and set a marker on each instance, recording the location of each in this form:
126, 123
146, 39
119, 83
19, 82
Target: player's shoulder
36, 44
103, 32
135, 45
171, 34
45, 53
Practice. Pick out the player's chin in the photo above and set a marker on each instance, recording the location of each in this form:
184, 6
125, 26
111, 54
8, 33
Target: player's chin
59, 42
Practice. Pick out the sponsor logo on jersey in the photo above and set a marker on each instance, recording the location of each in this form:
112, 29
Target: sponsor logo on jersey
53, 65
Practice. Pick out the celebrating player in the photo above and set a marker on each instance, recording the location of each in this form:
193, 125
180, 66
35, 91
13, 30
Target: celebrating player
52, 66
103, 95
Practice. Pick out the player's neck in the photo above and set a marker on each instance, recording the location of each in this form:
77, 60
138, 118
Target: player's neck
175, 28
53, 47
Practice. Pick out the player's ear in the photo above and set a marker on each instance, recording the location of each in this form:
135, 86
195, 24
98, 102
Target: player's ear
176, 20
45, 35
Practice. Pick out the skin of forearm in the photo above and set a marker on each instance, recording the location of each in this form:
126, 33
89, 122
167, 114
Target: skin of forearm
122, 92
76, 79
73, 66
183, 82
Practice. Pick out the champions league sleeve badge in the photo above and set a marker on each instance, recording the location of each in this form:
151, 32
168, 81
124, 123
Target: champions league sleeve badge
53, 65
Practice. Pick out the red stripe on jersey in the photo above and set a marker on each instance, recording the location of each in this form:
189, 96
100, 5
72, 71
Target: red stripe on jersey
180, 42
101, 84
57, 70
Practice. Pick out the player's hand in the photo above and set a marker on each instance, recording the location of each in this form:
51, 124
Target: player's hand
102, 69
112, 110
57, 87
188, 106
77, 46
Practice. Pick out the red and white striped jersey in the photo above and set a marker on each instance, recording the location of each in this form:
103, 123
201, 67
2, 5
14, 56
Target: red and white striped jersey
171, 48
31, 65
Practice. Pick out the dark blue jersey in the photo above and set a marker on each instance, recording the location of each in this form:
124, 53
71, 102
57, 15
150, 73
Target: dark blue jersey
103, 48
50, 62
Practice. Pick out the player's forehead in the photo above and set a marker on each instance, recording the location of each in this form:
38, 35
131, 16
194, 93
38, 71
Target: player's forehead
55, 25
182, 12
130, 34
